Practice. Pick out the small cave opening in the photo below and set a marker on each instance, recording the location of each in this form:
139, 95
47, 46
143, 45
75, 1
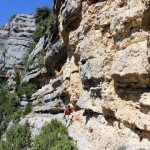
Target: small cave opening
74, 21
108, 112
55, 64
60, 63
54, 32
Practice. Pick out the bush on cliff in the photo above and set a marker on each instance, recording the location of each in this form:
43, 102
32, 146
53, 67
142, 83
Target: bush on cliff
9, 105
42, 13
44, 18
27, 89
27, 109
38, 33
18, 137
54, 136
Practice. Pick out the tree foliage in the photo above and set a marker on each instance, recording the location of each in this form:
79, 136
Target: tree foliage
42, 13
18, 137
27, 109
9, 105
54, 136
44, 18
27, 89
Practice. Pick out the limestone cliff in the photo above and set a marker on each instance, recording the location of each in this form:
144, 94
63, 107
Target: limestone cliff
97, 57
15, 38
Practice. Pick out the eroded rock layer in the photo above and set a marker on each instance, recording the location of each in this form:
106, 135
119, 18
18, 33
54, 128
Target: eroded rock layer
97, 57
15, 39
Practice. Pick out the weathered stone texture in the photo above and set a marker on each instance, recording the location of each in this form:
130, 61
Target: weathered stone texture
101, 51
16, 37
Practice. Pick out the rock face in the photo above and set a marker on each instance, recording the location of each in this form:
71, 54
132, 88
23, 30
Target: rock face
97, 57
15, 38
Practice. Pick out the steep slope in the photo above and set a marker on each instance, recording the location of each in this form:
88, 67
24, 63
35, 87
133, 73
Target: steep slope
97, 57
15, 39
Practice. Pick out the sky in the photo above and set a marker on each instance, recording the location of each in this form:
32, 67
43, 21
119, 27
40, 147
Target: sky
10, 7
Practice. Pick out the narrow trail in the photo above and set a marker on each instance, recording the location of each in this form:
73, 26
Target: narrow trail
79, 137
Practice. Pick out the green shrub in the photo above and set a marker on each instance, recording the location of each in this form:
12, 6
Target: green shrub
9, 105
27, 109
39, 103
17, 78
41, 30
49, 21
38, 33
3, 146
44, 18
31, 47
29, 63
40, 58
42, 13
54, 136
17, 138
64, 144
17, 115
27, 89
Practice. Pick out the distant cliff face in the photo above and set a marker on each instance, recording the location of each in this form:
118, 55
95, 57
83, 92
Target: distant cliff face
96, 57
15, 38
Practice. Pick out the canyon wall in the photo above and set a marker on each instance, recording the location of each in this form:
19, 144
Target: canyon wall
15, 40
96, 56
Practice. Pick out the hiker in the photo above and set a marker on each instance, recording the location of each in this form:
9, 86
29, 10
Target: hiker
68, 115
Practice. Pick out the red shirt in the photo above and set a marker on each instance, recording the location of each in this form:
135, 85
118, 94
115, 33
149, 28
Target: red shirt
68, 111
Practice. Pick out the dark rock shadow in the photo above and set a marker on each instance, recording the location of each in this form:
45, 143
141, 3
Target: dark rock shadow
89, 114
130, 87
